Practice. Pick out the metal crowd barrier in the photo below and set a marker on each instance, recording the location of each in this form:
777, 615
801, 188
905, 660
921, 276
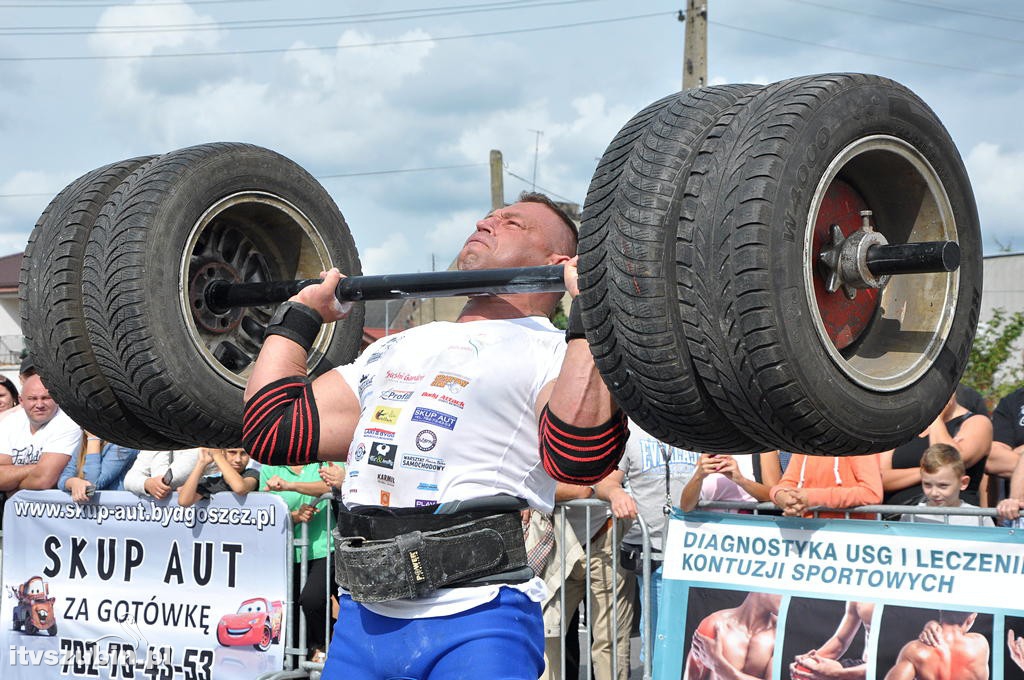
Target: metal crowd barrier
586, 662
295, 663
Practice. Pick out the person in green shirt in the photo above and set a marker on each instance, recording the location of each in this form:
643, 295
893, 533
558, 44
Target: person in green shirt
299, 486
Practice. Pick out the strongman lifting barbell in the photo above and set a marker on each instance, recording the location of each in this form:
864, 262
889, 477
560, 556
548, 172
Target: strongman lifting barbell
735, 279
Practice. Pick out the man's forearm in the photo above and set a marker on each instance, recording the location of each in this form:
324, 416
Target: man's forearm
580, 396
11, 476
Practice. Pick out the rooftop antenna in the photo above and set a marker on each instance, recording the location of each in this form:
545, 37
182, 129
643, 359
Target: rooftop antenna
536, 152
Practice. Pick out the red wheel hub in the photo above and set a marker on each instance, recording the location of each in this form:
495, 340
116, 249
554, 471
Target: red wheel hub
843, 319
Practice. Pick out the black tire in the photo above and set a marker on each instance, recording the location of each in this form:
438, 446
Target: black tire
230, 211
628, 271
30, 628
756, 201
52, 630
52, 319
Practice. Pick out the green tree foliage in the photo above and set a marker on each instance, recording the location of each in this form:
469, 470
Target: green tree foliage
991, 369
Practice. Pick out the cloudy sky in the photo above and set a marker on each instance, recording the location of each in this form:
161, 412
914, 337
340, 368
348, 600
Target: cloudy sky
395, 105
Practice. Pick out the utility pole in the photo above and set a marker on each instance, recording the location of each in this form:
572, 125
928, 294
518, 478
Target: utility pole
695, 47
497, 181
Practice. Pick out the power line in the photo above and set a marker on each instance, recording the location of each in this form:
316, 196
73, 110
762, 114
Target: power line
535, 186
835, 48
405, 41
904, 21
393, 171
294, 22
400, 170
959, 10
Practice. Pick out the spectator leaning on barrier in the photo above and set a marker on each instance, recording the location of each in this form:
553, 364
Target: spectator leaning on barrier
720, 477
655, 473
233, 474
299, 486
943, 478
970, 433
157, 473
828, 481
1007, 435
36, 441
1010, 508
100, 465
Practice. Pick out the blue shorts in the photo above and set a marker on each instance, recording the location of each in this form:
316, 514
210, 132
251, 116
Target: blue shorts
500, 640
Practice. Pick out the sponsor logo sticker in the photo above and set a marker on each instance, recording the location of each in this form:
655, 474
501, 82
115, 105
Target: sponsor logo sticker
396, 395
426, 440
420, 503
385, 498
359, 452
386, 415
400, 376
382, 455
432, 417
385, 479
424, 486
446, 399
377, 433
452, 383
428, 463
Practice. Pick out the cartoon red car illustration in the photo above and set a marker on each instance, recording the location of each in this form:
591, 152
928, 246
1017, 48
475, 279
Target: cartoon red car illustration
257, 622
34, 611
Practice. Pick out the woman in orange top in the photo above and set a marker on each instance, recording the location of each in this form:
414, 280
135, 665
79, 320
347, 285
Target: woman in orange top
828, 481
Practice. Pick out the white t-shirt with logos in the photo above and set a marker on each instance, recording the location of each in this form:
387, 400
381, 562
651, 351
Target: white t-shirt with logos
448, 413
60, 435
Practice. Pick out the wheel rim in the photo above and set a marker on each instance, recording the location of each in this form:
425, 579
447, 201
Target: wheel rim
248, 237
892, 336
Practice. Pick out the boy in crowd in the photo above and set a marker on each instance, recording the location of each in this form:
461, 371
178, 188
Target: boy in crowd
943, 477
234, 476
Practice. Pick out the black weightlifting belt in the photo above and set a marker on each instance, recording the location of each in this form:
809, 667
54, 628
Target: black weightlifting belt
386, 554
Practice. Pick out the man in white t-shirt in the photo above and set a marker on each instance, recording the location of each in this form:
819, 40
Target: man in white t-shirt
449, 430
36, 441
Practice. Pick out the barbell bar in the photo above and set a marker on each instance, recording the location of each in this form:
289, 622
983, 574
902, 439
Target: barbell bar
221, 295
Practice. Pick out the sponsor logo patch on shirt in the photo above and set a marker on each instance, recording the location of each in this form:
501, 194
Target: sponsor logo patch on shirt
359, 452
424, 486
388, 415
400, 376
420, 503
426, 440
428, 463
396, 395
432, 417
377, 433
385, 479
446, 399
385, 498
452, 383
382, 455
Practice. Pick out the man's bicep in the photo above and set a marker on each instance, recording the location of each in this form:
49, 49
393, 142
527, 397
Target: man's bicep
338, 409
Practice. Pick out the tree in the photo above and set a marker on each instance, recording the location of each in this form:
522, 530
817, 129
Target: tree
989, 369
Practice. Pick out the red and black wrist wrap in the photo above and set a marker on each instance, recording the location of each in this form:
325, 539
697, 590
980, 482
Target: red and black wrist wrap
280, 424
581, 455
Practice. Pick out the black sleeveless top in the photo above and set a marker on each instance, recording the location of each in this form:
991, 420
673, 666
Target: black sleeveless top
909, 456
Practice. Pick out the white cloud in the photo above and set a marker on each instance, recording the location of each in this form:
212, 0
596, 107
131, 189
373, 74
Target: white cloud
997, 177
146, 14
381, 257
